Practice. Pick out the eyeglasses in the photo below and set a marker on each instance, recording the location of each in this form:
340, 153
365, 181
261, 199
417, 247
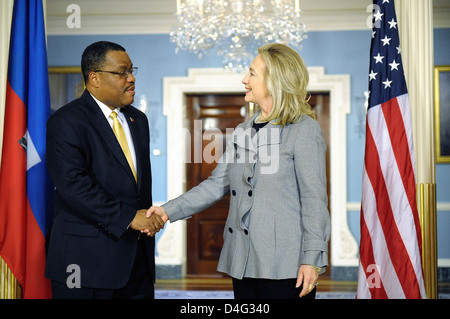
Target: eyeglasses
133, 71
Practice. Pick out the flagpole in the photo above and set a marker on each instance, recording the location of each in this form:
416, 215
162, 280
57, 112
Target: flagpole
427, 199
415, 18
9, 286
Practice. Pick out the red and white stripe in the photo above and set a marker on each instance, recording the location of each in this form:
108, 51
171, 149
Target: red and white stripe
391, 243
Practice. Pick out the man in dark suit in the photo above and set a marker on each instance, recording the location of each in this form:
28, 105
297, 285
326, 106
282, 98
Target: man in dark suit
103, 187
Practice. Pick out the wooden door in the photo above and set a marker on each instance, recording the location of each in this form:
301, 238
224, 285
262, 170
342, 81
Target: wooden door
320, 103
208, 138
217, 113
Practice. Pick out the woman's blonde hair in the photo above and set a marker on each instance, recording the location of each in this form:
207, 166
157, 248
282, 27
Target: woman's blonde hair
286, 79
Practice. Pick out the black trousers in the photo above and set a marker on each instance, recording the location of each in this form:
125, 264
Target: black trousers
139, 286
255, 288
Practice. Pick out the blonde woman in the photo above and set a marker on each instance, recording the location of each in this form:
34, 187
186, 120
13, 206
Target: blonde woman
278, 226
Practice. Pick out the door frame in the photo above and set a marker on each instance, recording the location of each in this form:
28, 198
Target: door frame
171, 244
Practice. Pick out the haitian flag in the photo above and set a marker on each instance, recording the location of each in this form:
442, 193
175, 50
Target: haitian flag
26, 191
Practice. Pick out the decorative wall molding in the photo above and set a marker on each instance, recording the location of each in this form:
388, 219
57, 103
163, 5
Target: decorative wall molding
158, 16
217, 80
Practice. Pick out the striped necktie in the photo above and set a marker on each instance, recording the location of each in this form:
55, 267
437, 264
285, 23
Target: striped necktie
120, 134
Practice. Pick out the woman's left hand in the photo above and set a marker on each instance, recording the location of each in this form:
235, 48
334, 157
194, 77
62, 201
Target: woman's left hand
308, 277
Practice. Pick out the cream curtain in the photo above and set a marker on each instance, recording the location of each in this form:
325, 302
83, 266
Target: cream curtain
6, 7
415, 20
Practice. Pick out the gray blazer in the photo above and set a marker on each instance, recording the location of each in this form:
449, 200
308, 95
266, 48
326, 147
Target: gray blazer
278, 217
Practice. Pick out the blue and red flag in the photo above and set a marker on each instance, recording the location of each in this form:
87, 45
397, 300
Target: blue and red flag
391, 241
26, 191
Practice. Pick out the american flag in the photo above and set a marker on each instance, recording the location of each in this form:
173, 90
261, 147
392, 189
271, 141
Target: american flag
391, 244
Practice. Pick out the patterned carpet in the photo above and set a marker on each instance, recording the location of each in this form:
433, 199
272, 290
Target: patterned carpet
180, 294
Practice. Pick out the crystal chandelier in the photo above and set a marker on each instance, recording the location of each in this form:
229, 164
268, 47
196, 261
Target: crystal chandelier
236, 27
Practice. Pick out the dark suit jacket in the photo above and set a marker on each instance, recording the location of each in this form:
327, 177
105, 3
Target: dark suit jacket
96, 195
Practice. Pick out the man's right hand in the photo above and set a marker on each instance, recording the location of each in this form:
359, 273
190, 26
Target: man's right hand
141, 222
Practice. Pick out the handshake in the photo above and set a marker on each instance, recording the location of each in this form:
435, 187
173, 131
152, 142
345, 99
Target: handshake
150, 221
